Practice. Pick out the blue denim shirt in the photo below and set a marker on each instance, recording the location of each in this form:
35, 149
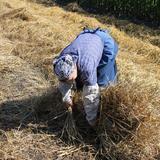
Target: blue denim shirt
89, 50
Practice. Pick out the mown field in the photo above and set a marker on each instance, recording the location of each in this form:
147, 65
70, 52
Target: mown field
31, 112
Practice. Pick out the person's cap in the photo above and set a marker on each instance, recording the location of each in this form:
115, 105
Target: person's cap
63, 66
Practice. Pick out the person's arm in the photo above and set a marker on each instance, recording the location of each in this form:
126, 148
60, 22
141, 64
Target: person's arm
110, 48
110, 45
66, 91
91, 98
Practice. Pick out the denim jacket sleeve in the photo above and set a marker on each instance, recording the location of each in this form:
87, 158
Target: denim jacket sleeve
110, 45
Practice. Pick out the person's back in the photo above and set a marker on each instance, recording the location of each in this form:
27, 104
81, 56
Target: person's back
87, 50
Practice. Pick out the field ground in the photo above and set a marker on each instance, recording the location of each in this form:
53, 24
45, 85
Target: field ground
31, 34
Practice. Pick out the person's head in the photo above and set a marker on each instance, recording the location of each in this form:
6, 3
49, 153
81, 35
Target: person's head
65, 68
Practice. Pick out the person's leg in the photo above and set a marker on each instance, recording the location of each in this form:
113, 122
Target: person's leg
107, 73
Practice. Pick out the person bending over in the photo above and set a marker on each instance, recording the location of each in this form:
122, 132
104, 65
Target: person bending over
89, 61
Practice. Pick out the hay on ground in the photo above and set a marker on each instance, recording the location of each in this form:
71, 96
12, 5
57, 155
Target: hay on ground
124, 126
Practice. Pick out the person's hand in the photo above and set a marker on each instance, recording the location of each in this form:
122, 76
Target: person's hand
68, 104
94, 123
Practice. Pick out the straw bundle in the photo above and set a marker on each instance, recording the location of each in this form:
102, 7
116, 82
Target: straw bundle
69, 131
